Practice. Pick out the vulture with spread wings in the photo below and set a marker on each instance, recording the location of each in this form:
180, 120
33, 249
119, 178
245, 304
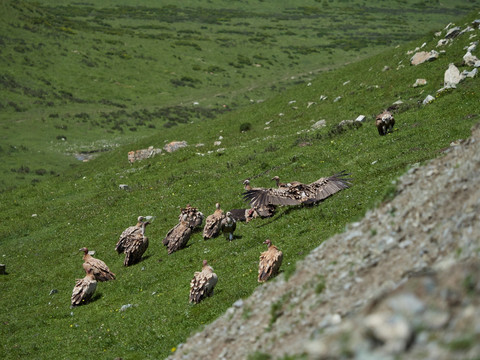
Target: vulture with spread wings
296, 193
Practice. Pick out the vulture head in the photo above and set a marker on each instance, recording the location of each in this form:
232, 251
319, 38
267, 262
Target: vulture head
84, 249
205, 262
140, 219
268, 242
217, 206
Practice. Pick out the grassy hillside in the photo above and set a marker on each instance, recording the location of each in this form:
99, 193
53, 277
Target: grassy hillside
85, 207
90, 76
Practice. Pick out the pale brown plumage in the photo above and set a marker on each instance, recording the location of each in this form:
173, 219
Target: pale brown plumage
213, 223
99, 268
270, 262
228, 225
203, 283
128, 234
84, 289
194, 217
133, 242
177, 238
296, 193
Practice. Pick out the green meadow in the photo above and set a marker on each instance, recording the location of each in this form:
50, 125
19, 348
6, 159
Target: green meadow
103, 78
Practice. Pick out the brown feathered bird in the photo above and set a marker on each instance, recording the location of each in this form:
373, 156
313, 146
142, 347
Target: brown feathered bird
128, 234
228, 225
133, 242
84, 289
296, 193
213, 223
194, 217
262, 211
203, 283
99, 268
270, 262
385, 122
177, 238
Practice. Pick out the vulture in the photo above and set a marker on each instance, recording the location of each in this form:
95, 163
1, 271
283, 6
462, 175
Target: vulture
99, 268
228, 225
213, 223
84, 289
177, 238
194, 217
203, 283
385, 122
133, 242
296, 193
270, 262
262, 211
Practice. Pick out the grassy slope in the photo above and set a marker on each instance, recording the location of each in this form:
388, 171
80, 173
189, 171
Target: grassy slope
103, 74
84, 207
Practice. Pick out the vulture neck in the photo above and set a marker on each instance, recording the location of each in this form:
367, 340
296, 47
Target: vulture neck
143, 228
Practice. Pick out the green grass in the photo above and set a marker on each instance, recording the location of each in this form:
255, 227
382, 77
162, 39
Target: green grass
103, 74
83, 205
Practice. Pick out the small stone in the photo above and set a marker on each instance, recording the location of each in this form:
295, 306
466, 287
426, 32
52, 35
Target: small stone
428, 100
238, 303
360, 118
319, 124
420, 82
125, 307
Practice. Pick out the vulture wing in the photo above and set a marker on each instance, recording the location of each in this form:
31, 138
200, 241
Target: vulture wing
212, 225
83, 290
270, 262
259, 197
99, 268
126, 237
178, 237
325, 187
135, 250
239, 214
202, 285
296, 193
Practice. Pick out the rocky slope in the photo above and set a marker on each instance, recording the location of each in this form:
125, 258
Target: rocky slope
402, 283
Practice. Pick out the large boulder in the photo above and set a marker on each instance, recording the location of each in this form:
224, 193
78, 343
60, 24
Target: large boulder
422, 56
452, 76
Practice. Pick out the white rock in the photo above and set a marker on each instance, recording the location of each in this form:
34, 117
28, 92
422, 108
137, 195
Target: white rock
319, 124
442, 42
471, 60
217, 143
123, 186
420, 82
360, 118
470, 74
452, 76
428, 100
